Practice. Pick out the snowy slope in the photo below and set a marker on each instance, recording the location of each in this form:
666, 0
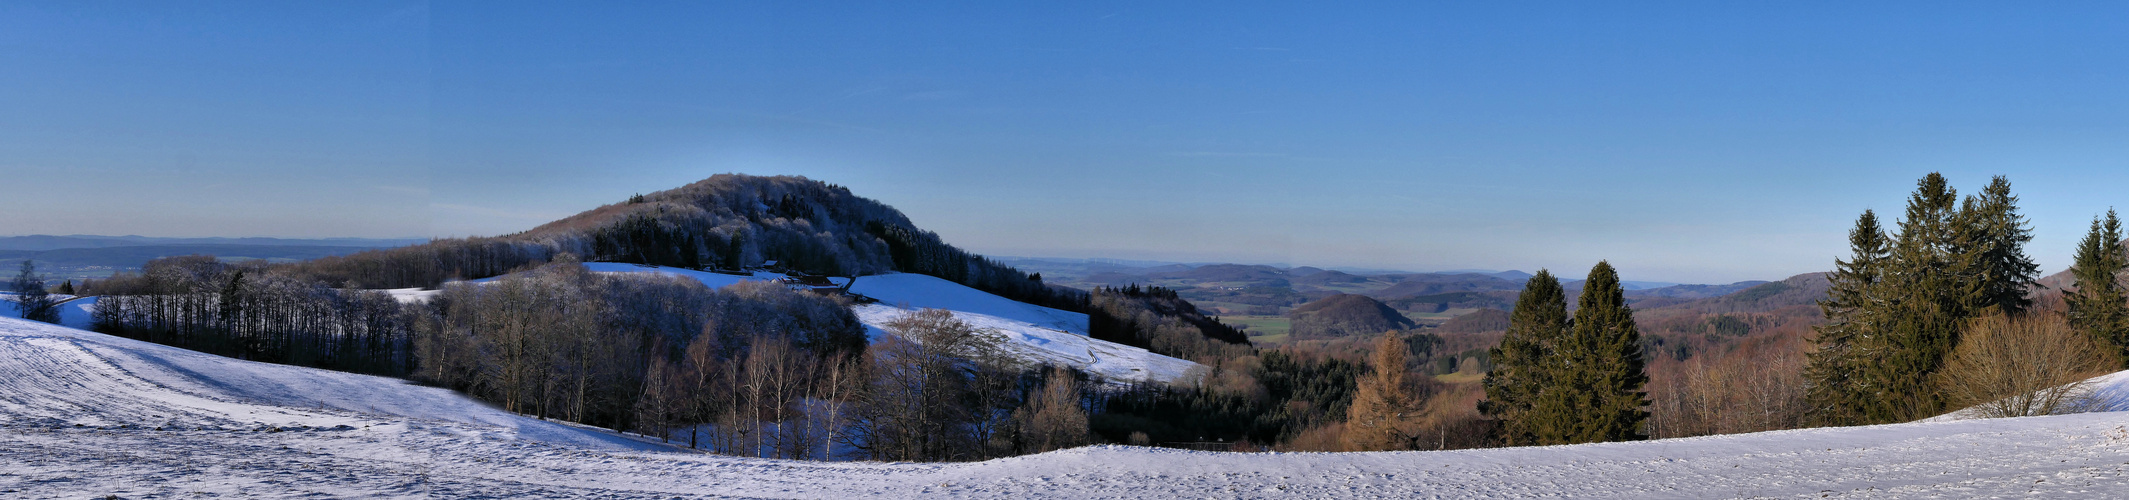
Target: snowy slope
218, 420
1039, 344
51, 374
927, 292
2109, 392
79, 417
1034, 333
73, 312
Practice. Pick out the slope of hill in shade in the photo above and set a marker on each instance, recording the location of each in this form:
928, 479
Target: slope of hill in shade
159, 422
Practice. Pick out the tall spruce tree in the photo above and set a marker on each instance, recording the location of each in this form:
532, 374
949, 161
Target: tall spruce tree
1925, 300
2098, 306
1835, 394
1991, 238
1604, 349
1523, 364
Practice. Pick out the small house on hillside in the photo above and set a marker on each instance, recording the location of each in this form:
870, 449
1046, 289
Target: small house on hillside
812, 283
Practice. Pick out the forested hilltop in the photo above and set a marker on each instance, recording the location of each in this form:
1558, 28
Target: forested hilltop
728, 221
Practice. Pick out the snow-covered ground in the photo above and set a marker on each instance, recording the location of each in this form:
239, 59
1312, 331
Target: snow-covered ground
1038, 344
73, 311
87, 415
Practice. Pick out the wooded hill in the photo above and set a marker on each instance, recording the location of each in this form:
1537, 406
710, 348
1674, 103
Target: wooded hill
1345, 315
735, 221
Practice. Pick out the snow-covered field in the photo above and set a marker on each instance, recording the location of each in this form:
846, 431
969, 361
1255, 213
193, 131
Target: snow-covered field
87, 415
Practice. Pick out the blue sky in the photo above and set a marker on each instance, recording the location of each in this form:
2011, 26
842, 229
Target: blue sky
1683, 141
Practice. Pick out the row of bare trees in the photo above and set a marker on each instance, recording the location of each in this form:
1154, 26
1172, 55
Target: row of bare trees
239, 311
934, 388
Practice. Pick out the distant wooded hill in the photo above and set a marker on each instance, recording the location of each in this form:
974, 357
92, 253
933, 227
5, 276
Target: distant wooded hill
78, 257
49, 242
1345, 315
1240, 289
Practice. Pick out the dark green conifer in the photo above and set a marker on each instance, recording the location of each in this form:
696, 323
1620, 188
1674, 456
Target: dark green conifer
1991, 239
1835, 395
1925, 297
1604, 351
2098, 305
1522, 362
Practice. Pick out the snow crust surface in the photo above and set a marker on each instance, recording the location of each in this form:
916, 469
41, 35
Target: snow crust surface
87, 415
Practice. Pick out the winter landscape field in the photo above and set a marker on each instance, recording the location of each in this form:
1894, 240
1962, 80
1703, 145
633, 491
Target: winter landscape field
88, 415
1082, 250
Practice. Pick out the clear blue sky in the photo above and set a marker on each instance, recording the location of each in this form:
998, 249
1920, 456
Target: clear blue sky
1689, 141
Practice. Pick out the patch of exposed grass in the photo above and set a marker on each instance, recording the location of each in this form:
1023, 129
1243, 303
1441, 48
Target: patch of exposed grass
1460, 377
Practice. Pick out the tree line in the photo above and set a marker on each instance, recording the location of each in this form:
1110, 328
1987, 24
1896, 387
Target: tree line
245, 312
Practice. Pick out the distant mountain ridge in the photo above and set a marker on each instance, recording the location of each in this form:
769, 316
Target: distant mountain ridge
1263, 289
42, 242
91, 256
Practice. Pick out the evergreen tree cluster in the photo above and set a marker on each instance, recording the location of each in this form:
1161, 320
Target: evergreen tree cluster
2098, 305
1898, 303
1563, 380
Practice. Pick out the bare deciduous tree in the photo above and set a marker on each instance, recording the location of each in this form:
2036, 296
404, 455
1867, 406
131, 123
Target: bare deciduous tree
1056, 419
2034, 364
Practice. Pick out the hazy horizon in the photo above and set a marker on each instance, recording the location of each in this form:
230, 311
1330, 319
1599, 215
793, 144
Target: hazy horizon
1688, 142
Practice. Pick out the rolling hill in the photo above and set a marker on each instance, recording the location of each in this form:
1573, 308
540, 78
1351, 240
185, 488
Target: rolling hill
1345, 315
